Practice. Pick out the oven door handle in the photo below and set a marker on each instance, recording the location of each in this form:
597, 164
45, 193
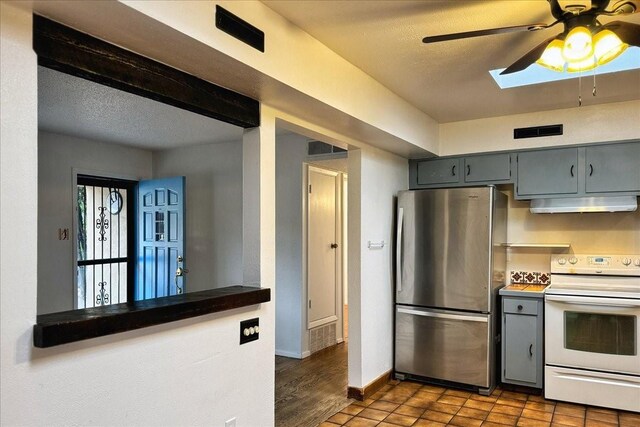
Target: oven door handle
602, 302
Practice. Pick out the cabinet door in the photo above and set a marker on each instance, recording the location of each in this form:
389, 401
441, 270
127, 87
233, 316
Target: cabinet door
439, 171
520, 351
487, 168
613, 168
547, 172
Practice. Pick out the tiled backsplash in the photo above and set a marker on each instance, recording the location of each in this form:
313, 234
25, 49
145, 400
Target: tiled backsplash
530, 277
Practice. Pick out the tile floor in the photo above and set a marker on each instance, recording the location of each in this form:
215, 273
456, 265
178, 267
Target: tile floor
412, 404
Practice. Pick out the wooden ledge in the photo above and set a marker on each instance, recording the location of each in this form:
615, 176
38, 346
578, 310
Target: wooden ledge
76, 325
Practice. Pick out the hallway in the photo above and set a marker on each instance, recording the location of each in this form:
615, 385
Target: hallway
310, 390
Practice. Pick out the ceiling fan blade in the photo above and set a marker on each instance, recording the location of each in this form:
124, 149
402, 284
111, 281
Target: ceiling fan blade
628, 32
599, 5
478, 33
528, 59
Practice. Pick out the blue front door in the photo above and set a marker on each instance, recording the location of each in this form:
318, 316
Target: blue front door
160, 238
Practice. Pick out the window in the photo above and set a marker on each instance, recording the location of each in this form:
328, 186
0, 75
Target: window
105, 232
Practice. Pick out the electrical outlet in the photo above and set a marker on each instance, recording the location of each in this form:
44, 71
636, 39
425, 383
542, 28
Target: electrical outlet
249, 330
230, 423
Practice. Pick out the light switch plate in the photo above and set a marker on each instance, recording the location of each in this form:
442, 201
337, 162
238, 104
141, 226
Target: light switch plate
249, 330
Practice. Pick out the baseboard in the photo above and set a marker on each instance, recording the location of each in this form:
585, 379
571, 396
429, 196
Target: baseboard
306, 354
339, 340
291, 354
366, 392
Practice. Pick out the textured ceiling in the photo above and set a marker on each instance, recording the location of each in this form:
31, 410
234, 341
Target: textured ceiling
449, 81
78, 107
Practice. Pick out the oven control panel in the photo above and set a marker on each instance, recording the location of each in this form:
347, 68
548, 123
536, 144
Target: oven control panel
624, 265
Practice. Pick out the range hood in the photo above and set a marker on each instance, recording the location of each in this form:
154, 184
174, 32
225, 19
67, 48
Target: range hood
585, 204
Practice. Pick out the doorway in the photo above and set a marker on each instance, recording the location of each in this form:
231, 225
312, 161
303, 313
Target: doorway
311, 262
105, 230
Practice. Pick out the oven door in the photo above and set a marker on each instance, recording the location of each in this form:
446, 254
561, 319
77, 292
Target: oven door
592, 333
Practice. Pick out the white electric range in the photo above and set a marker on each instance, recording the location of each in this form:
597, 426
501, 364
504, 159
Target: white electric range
592, 330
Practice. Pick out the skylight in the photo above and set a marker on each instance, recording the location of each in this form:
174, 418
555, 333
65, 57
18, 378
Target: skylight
535, 74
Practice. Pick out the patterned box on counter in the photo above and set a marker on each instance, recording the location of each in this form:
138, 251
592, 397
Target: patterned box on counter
530, 277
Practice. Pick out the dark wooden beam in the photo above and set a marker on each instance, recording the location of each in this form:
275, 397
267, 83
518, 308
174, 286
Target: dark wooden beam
76, 325
73, 52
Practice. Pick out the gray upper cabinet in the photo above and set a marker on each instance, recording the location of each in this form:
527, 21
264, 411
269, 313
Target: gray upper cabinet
461, 171
577, 171
438, 171
613, 168
547, 172
487, 168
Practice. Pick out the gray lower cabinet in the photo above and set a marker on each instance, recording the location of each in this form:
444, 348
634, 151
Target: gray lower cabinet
522, 341
438, 171
613, 168
547, 172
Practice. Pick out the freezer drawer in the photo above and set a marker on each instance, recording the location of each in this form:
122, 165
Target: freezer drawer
446, 345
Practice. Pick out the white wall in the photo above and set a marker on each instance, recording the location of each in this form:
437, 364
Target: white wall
589, 233
214, 210
375, 177
329, 78
191, 372
291, 151
595, 123
58, 156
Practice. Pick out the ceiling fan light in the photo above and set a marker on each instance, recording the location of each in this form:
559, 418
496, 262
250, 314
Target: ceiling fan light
607, 46
578, 45
585, 65
552, 57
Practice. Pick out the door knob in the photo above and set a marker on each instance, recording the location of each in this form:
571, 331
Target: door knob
334, 245
181, 271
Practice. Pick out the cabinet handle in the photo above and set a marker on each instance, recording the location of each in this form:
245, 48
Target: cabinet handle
531, 350
453, 170
572, 166
590, 169
468, 170
519, 307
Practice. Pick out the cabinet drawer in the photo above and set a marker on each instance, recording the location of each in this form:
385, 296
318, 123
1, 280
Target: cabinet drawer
521, 306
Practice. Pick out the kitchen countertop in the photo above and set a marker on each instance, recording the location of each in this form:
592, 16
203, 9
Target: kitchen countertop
523, 291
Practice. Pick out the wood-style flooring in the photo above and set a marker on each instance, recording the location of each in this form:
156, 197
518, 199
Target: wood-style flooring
310, 390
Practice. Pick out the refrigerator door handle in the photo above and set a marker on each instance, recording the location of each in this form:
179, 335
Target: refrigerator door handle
482, 319
399, 250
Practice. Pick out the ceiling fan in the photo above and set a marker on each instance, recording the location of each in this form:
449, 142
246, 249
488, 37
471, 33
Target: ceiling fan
583, 45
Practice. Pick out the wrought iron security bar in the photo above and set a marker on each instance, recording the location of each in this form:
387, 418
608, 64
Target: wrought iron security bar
106, 221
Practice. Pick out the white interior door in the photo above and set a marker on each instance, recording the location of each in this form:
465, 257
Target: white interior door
322, 246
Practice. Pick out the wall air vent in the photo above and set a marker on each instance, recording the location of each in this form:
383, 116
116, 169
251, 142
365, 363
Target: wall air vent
318, 147
239, 28
537, 131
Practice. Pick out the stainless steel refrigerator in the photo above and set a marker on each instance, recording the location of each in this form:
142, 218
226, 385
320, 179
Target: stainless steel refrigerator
450, 261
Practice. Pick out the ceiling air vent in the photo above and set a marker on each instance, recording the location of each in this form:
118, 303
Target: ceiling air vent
537, 131
239, 28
